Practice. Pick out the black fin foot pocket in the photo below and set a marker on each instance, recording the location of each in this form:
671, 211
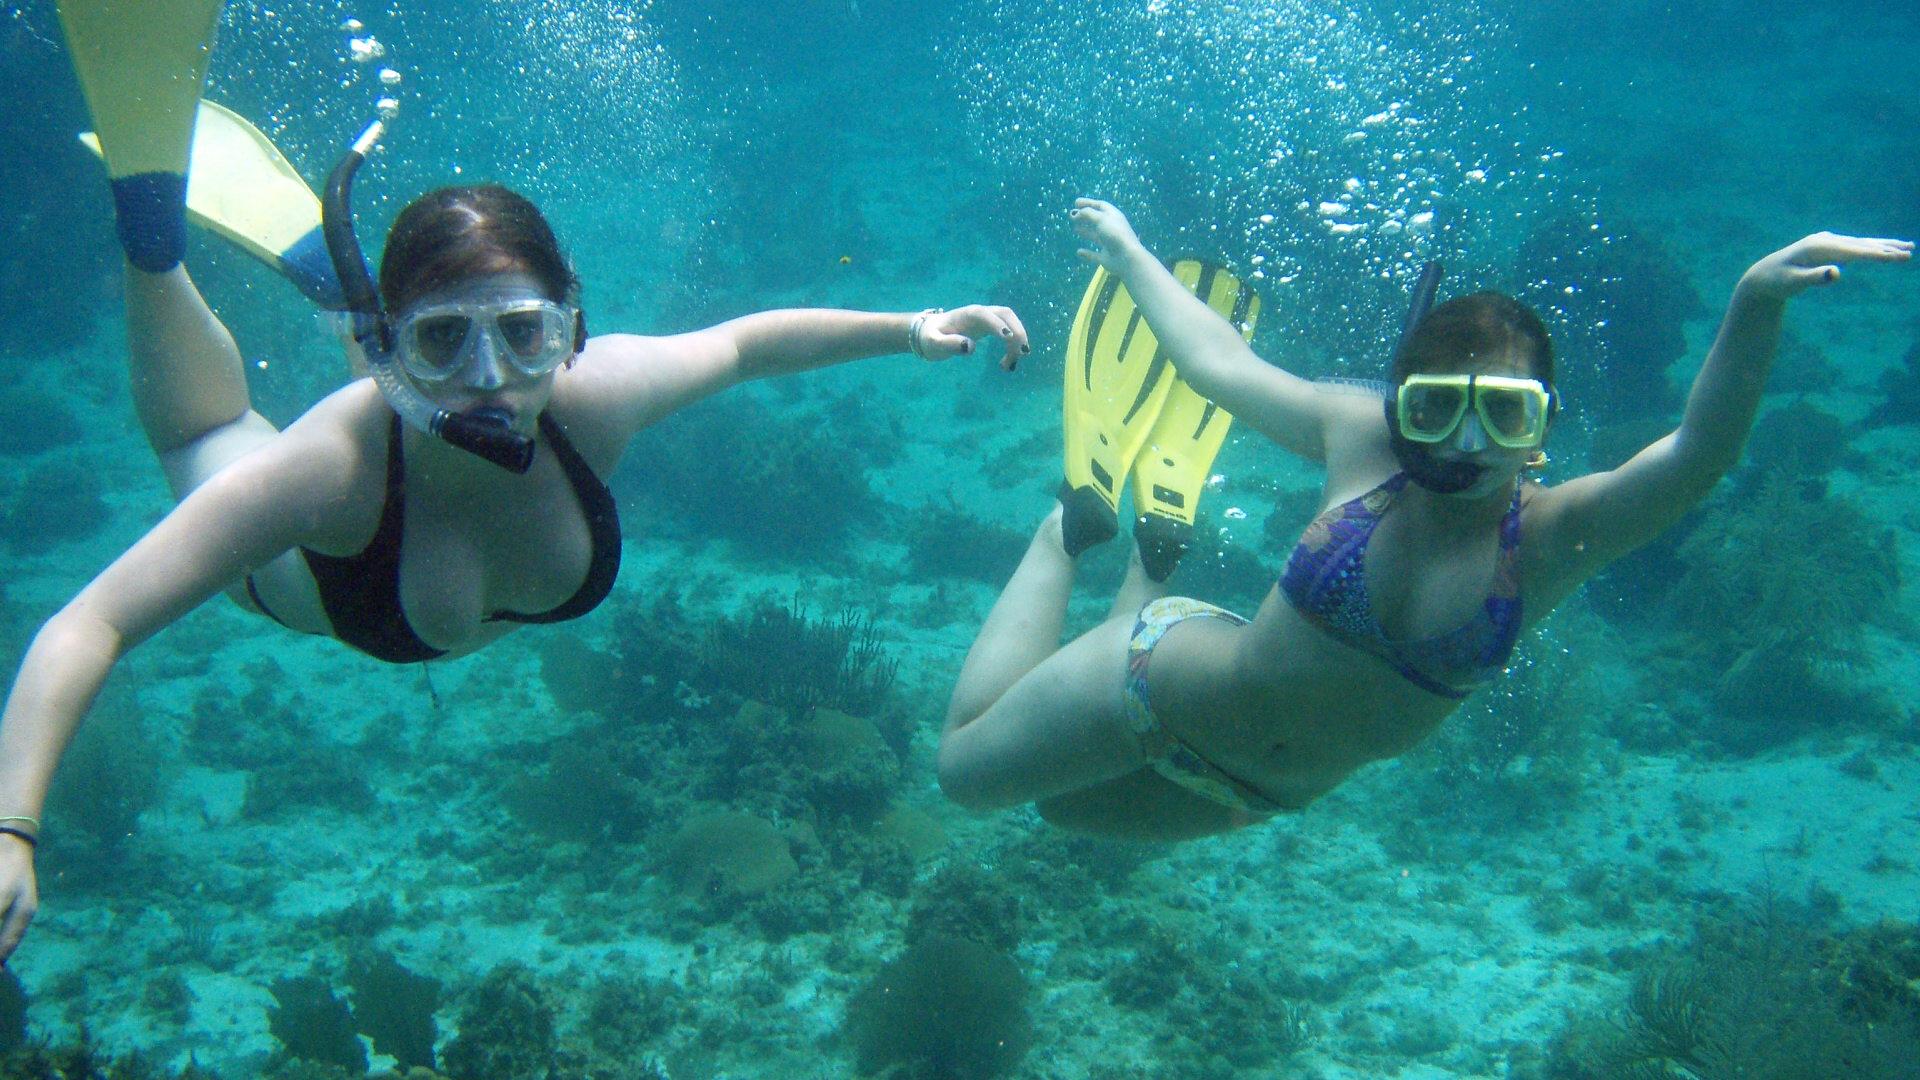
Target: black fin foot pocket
1162, 541
1087, 520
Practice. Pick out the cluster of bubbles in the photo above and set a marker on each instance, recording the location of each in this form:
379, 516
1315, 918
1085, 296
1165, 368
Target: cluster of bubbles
575, 103
365, 51
1324, 148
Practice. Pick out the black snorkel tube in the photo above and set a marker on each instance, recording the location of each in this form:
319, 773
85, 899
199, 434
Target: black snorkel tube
1437, 475
486, 435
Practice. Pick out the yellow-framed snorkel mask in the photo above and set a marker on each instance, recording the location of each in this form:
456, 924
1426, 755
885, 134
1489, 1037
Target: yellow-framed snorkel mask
1513, 412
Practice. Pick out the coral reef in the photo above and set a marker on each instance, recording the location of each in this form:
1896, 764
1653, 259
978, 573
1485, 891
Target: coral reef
13, 1012
313, 1024
1751, 996
108, 777
949, 1009
304, 776
583, 793
773, 483
625, 1015
729, 855
1902, 389
506, 1030
1801, 440
59, 501
944, 542
32, 422
964, 901
394, 1007
1778, 585
781, 655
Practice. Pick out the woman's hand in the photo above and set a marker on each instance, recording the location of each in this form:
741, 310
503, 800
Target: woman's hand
1816, 260
951, 333
19, 898
1105, 230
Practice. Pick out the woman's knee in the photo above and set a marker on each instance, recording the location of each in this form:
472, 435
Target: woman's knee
959, 781
189, 465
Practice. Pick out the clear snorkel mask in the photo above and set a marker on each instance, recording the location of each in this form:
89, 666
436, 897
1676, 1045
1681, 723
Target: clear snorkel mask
483, 433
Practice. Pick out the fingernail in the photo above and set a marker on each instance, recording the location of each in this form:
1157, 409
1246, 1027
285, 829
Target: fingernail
1006, 331
966, 346
1025, 349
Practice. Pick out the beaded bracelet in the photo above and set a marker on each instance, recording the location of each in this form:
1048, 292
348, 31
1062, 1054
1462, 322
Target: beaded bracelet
31, 840
913, 331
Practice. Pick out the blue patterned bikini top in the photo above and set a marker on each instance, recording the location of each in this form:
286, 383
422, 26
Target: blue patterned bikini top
1326, 581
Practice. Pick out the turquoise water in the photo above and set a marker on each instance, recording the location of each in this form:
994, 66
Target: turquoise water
694, 832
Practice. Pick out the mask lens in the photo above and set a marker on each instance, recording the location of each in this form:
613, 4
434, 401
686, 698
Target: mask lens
525, 333
1514, 416
437, 342
537, 338
1429, 412
1505, 413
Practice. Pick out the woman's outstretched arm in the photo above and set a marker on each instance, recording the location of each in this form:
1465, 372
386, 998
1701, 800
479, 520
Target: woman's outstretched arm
1590, 521
250, 512
1205, 349
647, 378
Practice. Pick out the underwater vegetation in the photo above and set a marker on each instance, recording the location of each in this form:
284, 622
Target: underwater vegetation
56, 501
782, 655
1801, 440
1779, 582
107, 779
1225, 1014
949, 1008
1902, 389
34, 422
1765, 990
1617, 303
772, 482
942, 541
392, 1006
506, 1030
13, 1012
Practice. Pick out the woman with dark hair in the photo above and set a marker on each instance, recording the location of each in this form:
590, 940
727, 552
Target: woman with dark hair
1432, 553
420, 513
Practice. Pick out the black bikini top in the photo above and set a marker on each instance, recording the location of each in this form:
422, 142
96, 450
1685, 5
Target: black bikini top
361, 593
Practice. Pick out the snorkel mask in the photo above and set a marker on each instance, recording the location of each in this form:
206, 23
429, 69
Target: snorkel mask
485, 433
1426, 410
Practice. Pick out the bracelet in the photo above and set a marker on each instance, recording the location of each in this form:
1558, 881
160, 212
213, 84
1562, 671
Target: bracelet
31, 840
913, 331
33, 821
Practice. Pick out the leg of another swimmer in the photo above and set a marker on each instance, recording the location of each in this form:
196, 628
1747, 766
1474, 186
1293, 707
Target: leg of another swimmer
1136, 590
1022, 629
188, 378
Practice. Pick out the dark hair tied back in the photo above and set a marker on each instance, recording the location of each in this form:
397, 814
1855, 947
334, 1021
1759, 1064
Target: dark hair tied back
1480, 324
454, 233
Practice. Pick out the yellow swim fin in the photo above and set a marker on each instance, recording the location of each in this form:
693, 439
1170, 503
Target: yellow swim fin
1116, 380
141, 65
1172, 470
242, 188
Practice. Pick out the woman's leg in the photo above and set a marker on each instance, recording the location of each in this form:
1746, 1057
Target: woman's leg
1062, 726
1022, 629
1136, 590
189, 383
190, 391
